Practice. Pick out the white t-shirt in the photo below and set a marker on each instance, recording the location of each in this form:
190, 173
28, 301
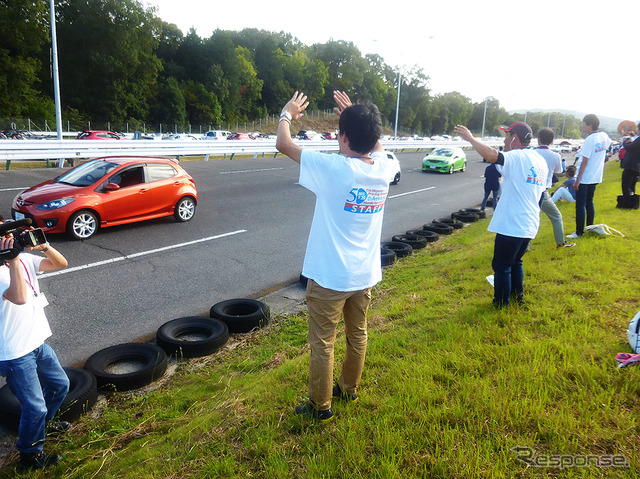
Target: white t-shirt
343, 250
554, 163
24, 327
595, 148
524, 176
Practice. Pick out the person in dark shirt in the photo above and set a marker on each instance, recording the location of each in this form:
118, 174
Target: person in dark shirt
491, 185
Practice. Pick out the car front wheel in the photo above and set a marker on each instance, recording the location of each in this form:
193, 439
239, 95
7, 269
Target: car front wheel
464, 166
82, 225
451, 170
185, 209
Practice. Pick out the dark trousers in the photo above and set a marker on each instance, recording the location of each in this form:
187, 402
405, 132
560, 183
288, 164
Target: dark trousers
507, 268
584, 205
629, 180
487, 192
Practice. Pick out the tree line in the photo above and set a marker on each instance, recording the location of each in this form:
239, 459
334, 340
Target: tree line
121, 63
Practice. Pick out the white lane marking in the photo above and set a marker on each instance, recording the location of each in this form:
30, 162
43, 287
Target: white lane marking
12, 189
136, 255
412, 192
249, 171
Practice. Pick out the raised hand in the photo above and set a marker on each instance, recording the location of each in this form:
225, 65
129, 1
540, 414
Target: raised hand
296, 105
343, 101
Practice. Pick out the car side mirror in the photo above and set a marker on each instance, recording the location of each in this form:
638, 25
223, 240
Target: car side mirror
111, 187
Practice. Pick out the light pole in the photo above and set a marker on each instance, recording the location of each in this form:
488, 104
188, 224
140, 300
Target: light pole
395, 129
484, 117
56, 81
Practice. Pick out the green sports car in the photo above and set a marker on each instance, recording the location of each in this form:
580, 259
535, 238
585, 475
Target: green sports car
445, 160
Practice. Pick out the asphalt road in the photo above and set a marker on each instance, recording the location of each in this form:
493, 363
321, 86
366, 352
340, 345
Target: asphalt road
248, 237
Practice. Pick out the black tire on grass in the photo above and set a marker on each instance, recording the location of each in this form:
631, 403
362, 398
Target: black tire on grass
82, 396
465, 217
481, 213
415, 241
455, 224
241, 315
428, 235
153, 361
440, 228
192, 336
387, 256
400, 249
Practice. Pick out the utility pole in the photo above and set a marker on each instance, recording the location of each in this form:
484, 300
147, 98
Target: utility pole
395, 131
484, 117
56, 81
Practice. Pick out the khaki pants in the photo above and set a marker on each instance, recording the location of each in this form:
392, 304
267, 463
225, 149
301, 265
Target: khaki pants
325, 308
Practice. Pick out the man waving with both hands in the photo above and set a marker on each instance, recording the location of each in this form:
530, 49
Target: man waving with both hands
342, 259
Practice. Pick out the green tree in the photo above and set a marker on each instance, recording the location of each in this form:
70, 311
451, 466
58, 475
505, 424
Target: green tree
25, 33
201, 105
108, 65
448, 110
170, 104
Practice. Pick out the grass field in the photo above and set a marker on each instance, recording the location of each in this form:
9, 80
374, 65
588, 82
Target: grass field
452, 387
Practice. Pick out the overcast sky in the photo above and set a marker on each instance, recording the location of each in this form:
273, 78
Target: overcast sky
550, 54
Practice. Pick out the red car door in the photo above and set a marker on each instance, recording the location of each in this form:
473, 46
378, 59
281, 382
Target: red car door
165, 183
131, 200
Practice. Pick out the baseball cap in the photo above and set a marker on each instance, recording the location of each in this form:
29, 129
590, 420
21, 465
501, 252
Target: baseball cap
523, 130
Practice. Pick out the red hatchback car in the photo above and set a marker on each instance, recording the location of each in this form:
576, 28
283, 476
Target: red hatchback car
107, 192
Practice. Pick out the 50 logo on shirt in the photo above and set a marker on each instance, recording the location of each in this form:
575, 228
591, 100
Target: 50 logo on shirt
367, 201
535, 179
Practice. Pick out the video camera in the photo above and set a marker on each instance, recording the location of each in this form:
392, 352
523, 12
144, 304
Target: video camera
21, 238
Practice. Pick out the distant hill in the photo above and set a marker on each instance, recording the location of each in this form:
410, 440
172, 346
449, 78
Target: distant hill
606, 123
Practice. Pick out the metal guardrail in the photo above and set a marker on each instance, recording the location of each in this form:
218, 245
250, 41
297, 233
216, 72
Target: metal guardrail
26, 150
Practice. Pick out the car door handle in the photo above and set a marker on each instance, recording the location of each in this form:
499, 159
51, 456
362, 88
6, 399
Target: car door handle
144, 190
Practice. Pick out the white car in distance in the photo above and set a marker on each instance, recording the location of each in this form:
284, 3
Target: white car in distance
216, 135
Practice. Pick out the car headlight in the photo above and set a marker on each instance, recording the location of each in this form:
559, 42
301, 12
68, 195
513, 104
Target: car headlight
55, 204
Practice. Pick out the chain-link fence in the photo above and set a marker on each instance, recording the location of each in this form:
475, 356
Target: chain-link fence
31, 125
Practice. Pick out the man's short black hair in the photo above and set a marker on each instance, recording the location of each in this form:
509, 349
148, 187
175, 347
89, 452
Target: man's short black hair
592, 120
545, 136
362, 125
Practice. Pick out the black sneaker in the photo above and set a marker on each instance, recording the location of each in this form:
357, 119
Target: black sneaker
38, 460
337, 393
57, 428
307, 410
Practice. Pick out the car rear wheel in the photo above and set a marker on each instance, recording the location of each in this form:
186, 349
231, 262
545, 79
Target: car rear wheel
82, 225
396, 179
185, 209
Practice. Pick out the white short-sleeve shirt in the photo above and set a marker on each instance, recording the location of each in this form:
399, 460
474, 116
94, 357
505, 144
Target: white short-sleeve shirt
24, 327
343, 250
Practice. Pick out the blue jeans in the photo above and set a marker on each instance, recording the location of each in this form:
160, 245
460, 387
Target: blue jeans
486, 197
507, 268
584, 204
40, 384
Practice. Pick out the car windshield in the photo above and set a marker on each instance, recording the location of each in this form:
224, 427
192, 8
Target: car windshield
87, 173
442, 152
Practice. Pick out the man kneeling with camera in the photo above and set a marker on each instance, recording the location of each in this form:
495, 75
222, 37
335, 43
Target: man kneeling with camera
29, 365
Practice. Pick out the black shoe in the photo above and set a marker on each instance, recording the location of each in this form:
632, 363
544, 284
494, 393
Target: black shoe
307, 410
38, 460
57, 428
338, 393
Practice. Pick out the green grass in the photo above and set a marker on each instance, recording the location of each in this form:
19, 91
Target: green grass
450, 386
